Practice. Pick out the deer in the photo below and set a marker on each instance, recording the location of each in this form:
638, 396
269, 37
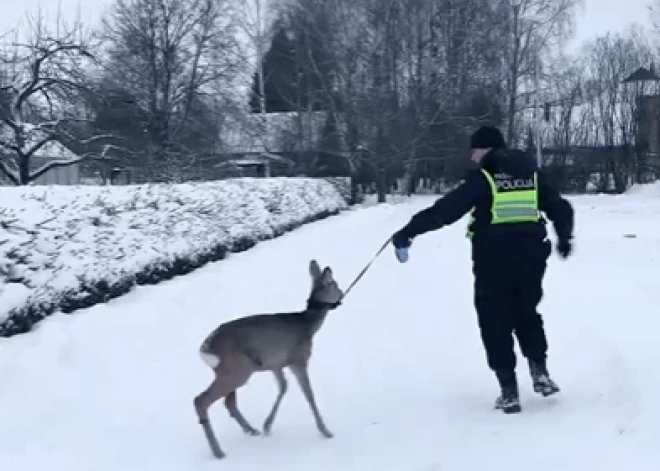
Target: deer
242, 347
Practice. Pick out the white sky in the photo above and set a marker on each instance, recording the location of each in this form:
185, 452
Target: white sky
595, 17
14, 11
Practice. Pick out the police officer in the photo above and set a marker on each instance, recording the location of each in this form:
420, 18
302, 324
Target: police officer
505, 195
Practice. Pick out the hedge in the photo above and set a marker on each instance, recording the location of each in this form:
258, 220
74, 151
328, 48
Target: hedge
67, 248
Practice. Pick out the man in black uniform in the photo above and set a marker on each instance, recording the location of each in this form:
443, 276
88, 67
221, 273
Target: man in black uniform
510, 249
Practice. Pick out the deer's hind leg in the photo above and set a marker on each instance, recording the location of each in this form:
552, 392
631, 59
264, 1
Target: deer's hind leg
232, 406
225, 383
281, 391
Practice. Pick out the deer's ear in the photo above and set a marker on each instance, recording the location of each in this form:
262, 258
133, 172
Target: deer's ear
326, 276
314, 269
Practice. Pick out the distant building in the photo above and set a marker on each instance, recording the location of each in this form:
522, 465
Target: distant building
69, 175
272, 143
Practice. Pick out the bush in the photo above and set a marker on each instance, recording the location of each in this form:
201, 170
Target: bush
68, 248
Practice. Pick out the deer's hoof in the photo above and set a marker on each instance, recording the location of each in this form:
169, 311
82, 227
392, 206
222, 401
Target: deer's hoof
253, 432
218, 453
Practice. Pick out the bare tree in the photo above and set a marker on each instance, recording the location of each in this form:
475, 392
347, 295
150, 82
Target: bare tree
409, 80
363, 92
171, 54
562, 107
336, 25
399, 79
535, 28
39, 78
255, 20
615, 106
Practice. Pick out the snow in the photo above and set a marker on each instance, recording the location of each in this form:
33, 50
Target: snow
57, 240
398, 370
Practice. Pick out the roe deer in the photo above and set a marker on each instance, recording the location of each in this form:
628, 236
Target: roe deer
266, 342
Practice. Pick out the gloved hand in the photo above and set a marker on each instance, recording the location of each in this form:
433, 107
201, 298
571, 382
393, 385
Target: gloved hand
402, 243
401, 240
401, 254
564, 248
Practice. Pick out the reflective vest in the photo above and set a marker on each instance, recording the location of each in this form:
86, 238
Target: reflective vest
510, 206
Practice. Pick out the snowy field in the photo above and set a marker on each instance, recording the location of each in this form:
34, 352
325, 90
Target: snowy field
398, 370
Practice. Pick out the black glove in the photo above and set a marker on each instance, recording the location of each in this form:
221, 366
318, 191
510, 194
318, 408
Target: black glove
564, 248
401, 239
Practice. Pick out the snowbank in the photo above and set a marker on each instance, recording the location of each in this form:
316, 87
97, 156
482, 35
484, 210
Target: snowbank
645, 190
67, 248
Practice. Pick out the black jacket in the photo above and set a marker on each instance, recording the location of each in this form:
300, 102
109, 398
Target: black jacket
475, 192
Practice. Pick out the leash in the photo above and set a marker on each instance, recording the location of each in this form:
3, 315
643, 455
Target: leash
364, 270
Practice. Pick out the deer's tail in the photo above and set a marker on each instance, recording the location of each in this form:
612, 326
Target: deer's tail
210, 358
208, 355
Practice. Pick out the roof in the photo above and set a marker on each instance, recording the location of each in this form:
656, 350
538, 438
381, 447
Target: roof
50, 150
642, 75
254, 133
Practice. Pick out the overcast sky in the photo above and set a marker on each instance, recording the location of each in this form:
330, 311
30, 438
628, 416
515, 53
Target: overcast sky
594, 18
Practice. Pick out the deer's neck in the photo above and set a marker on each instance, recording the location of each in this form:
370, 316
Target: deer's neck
318, 306
316, 312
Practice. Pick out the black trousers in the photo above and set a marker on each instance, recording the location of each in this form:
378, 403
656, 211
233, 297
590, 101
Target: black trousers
508, 286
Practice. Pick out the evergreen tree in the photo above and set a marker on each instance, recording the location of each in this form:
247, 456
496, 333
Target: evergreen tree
280, 71
296, 67
310, 24
330, 161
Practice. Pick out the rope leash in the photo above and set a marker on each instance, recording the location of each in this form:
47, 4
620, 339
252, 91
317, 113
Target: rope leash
364, 270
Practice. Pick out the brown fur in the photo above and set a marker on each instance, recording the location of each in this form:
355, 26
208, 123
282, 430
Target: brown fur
266, 342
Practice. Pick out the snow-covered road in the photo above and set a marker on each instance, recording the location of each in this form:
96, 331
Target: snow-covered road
399, 371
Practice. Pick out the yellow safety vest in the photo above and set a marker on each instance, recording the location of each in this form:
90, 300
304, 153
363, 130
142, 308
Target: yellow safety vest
512, 206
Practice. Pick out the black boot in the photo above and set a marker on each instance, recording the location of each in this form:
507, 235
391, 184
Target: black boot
541, 379
509, 400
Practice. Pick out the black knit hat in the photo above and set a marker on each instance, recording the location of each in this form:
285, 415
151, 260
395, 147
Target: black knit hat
487, 136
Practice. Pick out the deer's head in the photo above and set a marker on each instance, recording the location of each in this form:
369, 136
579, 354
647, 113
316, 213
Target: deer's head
325, 290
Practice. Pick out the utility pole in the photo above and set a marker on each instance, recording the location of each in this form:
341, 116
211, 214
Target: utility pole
538, 116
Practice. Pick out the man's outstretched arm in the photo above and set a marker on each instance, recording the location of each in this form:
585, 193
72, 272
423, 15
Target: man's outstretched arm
446, 210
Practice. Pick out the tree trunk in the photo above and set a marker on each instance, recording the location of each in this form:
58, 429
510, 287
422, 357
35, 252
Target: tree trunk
381, 186
23, 170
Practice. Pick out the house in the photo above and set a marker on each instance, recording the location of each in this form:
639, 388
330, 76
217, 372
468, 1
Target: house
262, 144
69, 175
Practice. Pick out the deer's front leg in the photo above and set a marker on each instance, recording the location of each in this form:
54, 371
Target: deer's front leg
302, 376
